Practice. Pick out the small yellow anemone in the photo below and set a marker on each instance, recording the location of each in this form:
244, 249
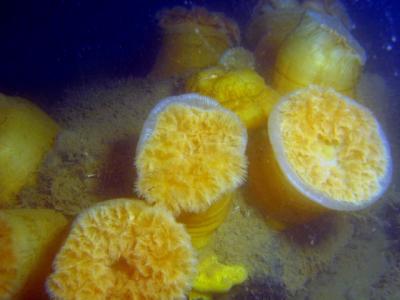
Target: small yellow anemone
190, 153
27, 238
242, 91
123, 249
26, 134
321, 151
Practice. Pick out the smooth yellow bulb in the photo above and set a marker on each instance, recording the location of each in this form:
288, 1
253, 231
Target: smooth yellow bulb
26, 134
320, 51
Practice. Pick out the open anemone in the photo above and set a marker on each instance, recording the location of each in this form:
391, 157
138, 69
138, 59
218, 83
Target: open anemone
321, 150
190, 153
123, 249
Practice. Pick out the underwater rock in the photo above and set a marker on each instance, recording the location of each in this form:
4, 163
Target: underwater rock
81, 170
391, 215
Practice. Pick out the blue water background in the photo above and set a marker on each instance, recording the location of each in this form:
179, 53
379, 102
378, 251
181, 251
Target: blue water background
48, 45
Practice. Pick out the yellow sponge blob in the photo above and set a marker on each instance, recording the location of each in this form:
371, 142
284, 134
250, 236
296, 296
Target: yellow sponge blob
192, 154
242, 91
124, 249
214, 277
334, 145
26, 134
26, 238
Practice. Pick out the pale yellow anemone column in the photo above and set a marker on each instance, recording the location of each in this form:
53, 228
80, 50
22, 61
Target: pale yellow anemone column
269, 25
321, 151
28, 242
26, 134
192, 39
320, 51
190, 159
273, 20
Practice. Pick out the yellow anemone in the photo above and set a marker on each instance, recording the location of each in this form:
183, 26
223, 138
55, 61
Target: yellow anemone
26, 134
242, 91
192, 39
273, 21
27, 241
190, 157
320, 51
191, 152
123, 249
320, 151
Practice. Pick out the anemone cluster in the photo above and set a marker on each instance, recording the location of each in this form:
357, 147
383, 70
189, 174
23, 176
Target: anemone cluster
279, 124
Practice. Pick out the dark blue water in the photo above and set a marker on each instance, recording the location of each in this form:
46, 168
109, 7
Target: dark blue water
48, 45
